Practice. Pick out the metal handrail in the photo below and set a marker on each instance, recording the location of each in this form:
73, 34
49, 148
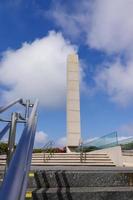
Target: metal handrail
15, 182
48, 146
49, 143
5, 129
29, 157
82, 153
4, 108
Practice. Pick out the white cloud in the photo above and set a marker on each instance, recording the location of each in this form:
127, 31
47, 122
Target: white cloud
126, 129
124, 138
116, 79
61, 142
111, 25
106, 24
111, 31
37, 70
77, 17
41, 139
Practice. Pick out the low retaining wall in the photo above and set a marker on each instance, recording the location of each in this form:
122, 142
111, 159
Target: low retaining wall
115, 153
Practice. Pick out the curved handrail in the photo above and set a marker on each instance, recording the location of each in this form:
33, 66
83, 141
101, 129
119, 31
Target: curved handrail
14, 184
29, 157
49, 143
4, 108
5, 129
48, 146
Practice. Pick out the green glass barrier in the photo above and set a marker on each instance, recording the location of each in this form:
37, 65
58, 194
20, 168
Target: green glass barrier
105, 141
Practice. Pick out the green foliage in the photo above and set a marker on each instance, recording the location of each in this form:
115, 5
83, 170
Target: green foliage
50, 150
37, 150
3, 148
128, 146
87, 149
91, 148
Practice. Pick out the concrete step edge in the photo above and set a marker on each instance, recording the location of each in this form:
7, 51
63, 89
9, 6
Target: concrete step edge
72, 164
82, 189
52, 158
36, 154
49, 161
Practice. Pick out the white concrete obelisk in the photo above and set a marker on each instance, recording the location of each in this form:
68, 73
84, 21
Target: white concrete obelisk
73, 103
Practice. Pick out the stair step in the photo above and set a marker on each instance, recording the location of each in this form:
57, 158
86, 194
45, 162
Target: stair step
85, 189
68, 164
52, 158
84, 193
72, 156
79, 178
78, 159
73, 161
66, 154
63, 155
67, 159
72, 164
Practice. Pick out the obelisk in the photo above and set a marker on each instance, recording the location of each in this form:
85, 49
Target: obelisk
73, 103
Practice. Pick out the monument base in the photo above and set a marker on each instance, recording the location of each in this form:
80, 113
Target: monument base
71, 149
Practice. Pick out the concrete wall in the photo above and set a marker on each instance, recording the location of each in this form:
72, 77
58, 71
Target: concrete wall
128, 158
115, 153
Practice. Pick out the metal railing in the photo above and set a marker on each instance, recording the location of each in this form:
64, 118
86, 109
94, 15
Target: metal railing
4, 130
80, 150
82, 153
3, 109
15, 181
48, 150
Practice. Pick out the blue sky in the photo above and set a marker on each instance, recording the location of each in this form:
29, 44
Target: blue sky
35, 38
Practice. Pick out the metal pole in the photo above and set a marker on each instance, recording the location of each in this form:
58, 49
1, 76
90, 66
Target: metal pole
11, 140
27, 109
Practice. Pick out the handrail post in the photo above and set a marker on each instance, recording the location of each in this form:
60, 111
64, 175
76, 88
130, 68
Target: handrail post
11, 140
48, 147
80, 150
27, 109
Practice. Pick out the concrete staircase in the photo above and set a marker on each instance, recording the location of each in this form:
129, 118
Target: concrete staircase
72, 159
64, 159
65, 177
79, 183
